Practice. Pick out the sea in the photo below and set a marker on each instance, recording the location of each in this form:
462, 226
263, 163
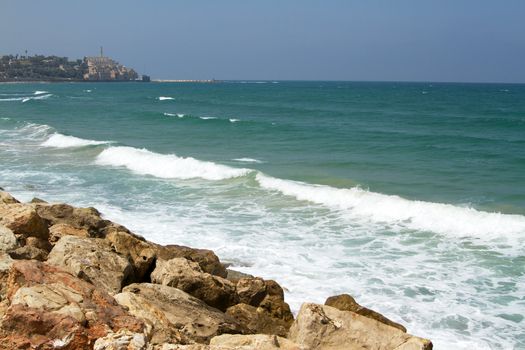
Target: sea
408, 196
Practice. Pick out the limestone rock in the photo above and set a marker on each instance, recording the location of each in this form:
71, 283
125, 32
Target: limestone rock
6, 198
122, 340
29, 253
23, 220
7, 239
52, 309
139, 252
345, 302
258, 320
188, 276
254, 341
38, 243
175, 316
251, 291
234, 276
324, 327
92, 260
57, 231
207, 260
5, 266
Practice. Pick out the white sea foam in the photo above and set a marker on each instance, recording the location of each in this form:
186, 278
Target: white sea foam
165, 98
207, 118
169, 114
37, 97
11, 99
247, 160
168, 166
233, 120
63, 141
38, 92
400, 212
180, 115
87, 90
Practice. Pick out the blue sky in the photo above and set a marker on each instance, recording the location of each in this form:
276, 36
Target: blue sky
402, 40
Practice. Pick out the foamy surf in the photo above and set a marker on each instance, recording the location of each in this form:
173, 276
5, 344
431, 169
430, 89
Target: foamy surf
37, 97
233, 120
63, 141
399, 212
39, 92
165, 98
167, 166
247, 160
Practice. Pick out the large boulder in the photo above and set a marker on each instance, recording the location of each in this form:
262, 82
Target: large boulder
140, 253
93, 260
258, 320
253, 341
187, 275
57, 231
6, 198
7, 239
174, 316
325, 327
345, 302
207, 260
51, 309
23, 220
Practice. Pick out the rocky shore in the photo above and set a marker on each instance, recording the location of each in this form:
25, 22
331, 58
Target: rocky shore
69, 279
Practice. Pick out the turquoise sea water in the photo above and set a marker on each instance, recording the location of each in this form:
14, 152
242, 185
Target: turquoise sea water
409, 196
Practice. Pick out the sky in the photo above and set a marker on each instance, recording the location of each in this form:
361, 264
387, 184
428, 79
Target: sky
377, 40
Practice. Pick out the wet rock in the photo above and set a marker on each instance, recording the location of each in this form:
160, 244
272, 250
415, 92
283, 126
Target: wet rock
254, 341
93, 260
188, 276
345, 302
207, 260
23, 220
325, 327
174, 316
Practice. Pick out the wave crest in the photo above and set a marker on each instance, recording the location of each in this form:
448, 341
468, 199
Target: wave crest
63, 141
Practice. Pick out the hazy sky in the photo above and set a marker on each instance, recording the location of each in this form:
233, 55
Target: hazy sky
414, 40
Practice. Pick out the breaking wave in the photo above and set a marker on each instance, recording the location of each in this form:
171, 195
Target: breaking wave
165, 98
63, 141
247, 160
167, 166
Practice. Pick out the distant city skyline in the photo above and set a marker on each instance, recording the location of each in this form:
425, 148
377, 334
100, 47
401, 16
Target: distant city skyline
405, 40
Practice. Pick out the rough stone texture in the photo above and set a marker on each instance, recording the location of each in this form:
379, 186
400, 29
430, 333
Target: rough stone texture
29, 253
188, 276
345, 302
23, 220
251, 291
92, 260
174, 316
257, 320
234, 276
324, 327
88, 219
49, 307
122, 340
207, 260
7, 239
140, 253
6, 198
254, 341
57, 231
39, 243
5, 265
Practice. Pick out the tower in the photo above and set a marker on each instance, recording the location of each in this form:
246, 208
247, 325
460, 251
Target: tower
101, 51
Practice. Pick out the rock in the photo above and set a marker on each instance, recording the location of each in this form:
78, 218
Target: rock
37, 200
140, 253
258, 320
28, 252
234, 276
92, 260
23, 220
6, 198
7, 239
188, 276
325, 327
88, 219
254, 341
123, 340
5, 265
251, 291
207, 260
57, 231
52, 309
38, 243
345, 302
175, 316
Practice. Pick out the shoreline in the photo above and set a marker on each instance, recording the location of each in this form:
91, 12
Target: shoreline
77, 248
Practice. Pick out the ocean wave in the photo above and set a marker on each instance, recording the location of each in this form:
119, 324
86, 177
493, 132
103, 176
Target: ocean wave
63, 141
247, 160
396, 211
164, 98
167, 166
37, 97
180, 115
207, 118
233, 120
39, 92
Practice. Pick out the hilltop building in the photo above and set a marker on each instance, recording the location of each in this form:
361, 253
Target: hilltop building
101, 68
